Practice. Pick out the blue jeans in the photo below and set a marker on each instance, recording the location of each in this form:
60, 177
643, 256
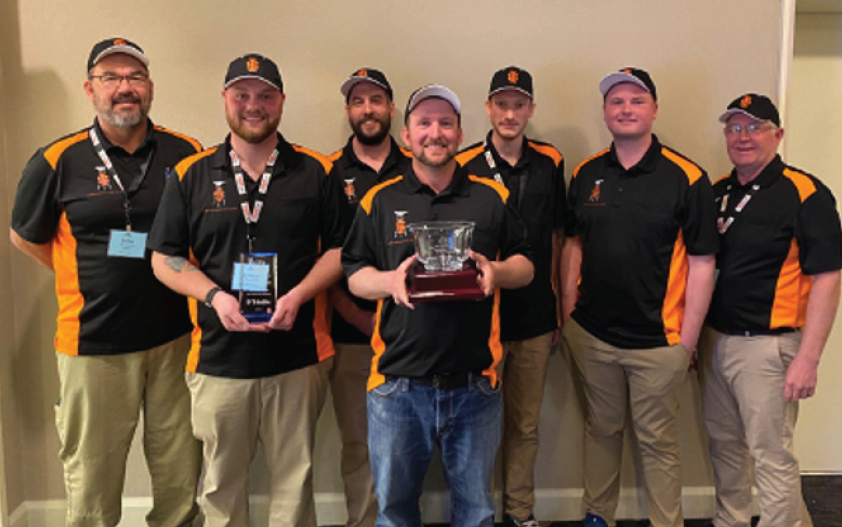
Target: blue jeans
406, 420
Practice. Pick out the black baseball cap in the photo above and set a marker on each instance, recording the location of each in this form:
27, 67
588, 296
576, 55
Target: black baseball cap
254, 66
633, 75
431, 91
512, 78
756, 106
116, 45
371, 75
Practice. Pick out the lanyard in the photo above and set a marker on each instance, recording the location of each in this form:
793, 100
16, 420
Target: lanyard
252, 216
724, 223
489, 158
112, 173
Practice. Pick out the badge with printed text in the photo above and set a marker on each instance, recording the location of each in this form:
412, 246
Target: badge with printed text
255, 276
126, 244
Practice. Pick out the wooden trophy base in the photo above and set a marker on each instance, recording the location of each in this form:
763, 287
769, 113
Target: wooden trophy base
444, 286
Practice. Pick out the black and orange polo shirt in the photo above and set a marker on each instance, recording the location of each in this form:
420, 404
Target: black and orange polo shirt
536, 190
788, 230
637, 228
438, 337
356, 179
106, 306
200, 219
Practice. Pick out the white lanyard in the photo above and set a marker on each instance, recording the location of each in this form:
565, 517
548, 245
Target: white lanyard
252, 216
724, 223
489, 158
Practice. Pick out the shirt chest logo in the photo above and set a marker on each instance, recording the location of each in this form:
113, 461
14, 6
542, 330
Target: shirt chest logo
351, 190
218, 194
595, 197
401, 232
103, 180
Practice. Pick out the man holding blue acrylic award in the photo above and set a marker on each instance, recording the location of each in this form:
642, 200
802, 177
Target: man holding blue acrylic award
250, 231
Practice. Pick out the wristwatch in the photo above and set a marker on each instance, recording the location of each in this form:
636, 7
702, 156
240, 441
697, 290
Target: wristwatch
209, 297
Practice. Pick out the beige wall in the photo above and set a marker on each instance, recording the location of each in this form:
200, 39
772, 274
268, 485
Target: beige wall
696, 52
814, 130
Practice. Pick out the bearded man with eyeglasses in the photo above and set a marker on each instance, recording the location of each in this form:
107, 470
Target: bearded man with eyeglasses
84, 205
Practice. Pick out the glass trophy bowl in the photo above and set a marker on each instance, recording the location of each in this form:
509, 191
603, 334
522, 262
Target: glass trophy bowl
444, 271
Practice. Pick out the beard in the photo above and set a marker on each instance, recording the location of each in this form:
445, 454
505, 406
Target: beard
436, 163
120, 119
250, 135
375, 138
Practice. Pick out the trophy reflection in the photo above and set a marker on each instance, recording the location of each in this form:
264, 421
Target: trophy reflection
444, 272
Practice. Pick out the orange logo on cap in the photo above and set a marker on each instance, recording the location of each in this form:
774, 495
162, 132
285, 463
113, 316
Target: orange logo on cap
362, 73
513, 77
745, 102
252, 64
627, 71
119, 42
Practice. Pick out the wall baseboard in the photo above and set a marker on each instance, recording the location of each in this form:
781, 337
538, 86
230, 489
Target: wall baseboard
550, 504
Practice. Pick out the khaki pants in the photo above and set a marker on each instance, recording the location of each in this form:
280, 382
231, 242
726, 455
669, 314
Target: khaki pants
747, 418
524, 371
647, 381
348, 378
96, 416
230, 416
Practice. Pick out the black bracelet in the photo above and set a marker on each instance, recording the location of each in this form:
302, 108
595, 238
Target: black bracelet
209, 297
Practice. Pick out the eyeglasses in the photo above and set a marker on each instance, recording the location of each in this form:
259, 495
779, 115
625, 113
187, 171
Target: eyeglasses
109, 80
752, 129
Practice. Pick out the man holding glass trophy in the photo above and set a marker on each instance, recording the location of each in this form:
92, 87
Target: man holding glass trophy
436, 346
250, 230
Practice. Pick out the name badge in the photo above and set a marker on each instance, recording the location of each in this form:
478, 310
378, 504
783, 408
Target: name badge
126, 244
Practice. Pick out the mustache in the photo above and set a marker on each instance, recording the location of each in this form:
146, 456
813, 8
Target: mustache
125, 97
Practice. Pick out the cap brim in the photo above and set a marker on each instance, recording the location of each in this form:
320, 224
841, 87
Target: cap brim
728, 113
126, 50
434, 91
350, 82
513, 88
244, 77
619, 77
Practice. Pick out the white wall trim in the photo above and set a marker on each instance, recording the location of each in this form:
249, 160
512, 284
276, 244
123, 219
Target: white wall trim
788, 15
550, 504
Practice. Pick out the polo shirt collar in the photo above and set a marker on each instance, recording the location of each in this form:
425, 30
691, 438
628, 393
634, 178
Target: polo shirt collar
287, 156
460, 184
498, 159
148, 141
767, 176
648, 163
349, 157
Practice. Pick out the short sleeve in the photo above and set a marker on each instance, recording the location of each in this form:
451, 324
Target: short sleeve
37, 210
170, 234
359, 249
699, 219
818, 233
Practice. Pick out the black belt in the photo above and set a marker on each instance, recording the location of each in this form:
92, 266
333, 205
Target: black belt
759, 332
446, 381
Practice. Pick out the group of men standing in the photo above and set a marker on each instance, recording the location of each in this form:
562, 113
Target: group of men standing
131, 216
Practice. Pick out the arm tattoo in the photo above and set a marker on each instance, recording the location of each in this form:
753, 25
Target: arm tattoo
179, 264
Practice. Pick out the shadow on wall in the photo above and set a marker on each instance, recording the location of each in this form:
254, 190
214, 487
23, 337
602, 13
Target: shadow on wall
33, 101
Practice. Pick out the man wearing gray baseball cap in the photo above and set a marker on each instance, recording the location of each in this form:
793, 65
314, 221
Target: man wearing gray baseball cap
433, 379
